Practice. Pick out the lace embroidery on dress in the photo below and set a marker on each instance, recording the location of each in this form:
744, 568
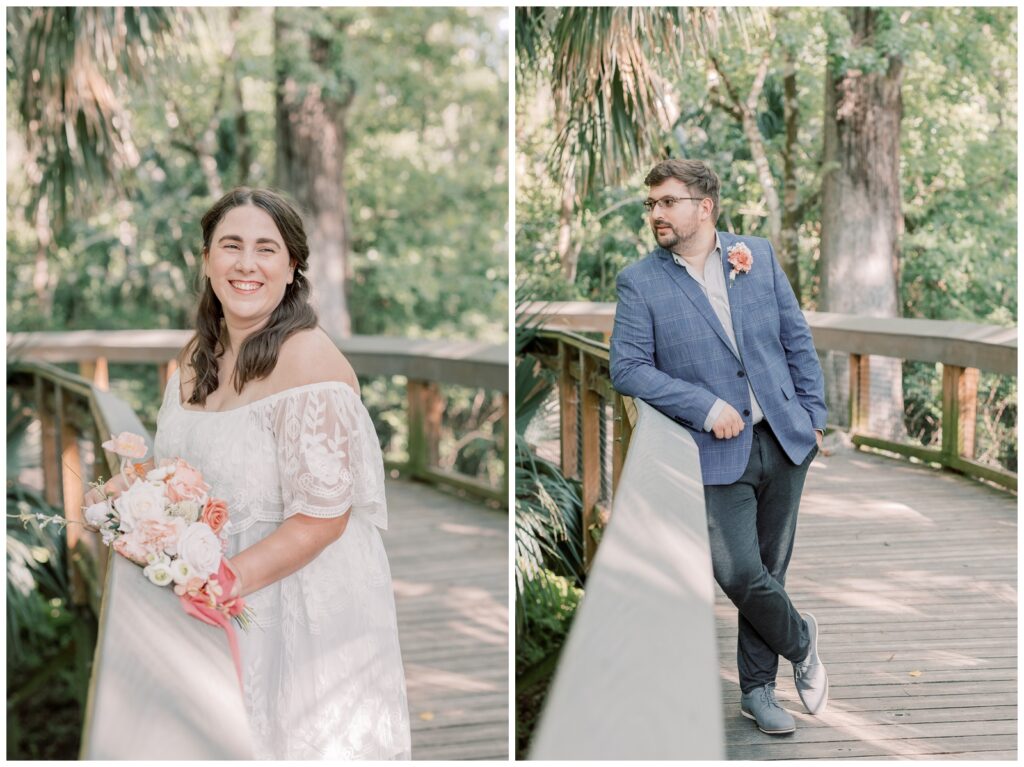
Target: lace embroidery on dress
328, 454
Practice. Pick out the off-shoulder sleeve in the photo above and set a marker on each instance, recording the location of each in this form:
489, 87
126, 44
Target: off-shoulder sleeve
328, 455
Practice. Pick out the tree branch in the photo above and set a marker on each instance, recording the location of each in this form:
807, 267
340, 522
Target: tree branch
759, 78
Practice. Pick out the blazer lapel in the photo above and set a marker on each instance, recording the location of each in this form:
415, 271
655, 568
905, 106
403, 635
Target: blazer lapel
734, 289
693, 292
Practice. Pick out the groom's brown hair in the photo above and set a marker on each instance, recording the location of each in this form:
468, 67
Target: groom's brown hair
696, 174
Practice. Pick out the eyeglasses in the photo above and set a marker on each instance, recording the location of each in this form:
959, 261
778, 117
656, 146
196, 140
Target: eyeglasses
666, 202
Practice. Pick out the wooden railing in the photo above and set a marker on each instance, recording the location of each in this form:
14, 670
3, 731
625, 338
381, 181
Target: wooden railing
964, 349
427, 365
587, 404
163, 685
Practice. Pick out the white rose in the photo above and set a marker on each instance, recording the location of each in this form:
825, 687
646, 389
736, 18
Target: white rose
142, 500
97, 514
187, 510
160, 473
159, 574
181, 572
199, 546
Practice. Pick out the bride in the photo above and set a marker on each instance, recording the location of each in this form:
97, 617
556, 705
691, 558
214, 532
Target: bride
265, 405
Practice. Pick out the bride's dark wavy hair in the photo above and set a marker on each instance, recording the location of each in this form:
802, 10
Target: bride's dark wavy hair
258, 354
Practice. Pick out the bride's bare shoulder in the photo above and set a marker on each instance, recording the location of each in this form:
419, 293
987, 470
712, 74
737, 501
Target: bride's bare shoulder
309, 357
186, 374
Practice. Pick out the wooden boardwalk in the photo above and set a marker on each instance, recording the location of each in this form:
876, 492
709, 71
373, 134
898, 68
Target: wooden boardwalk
449, 563
912, 575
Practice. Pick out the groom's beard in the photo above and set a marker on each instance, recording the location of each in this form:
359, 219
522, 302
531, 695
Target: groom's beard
667, 238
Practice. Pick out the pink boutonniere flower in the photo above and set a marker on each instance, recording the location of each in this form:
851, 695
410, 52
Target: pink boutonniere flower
740, 259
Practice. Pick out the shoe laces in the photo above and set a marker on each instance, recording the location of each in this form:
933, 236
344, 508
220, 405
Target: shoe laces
768, 695
802, 668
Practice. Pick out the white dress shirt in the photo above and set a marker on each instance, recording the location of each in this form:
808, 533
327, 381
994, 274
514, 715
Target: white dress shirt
712, 282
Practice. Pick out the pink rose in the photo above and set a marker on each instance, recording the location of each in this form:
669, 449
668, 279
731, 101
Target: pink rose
215, 514
150, 536
126, 444
127, 546
186, 484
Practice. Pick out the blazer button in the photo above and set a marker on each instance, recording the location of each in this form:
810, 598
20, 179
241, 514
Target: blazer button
746, 412
740, 374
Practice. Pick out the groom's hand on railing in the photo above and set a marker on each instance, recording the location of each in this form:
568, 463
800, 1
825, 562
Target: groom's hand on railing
729, 423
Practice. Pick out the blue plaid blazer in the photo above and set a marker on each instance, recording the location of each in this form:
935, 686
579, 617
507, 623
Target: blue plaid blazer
669, 349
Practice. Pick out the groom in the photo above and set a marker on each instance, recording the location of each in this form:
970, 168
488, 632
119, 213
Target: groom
708, 331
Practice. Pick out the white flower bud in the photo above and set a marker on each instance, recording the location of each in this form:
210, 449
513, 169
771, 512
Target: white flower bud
159, 574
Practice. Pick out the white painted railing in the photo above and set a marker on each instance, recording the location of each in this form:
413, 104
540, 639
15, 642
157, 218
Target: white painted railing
164, 685
638, 677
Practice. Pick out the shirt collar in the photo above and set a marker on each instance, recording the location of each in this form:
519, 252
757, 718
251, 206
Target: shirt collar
717, 250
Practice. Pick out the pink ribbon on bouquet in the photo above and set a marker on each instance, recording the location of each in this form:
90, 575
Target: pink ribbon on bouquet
198, 606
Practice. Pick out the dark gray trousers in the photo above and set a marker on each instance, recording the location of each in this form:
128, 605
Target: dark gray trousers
751, 527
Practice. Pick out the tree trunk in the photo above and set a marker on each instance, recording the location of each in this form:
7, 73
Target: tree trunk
310, 164
744, 111
767, 180
567, 254
41, 278
861, 210
242, 135
789, 239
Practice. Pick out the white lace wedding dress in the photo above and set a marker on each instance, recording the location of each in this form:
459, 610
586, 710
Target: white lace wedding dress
322, 671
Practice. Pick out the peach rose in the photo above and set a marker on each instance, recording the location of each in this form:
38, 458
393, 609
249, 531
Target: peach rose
215, 514
740, 259
186, 484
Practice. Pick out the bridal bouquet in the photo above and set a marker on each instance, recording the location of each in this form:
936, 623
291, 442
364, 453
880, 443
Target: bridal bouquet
167, 522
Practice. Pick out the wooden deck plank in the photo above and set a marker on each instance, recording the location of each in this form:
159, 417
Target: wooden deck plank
902, 717
907, 570
912, 748
449, 563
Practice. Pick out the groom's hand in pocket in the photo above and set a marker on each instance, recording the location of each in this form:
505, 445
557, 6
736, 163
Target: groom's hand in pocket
729, 423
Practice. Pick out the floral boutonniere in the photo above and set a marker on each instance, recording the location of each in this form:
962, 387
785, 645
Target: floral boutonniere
740, 259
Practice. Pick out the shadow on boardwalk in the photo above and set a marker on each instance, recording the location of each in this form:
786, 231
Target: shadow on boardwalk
449, 563
912, 575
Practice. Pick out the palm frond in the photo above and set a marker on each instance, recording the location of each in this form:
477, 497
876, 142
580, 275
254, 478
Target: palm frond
611, 75
68, 63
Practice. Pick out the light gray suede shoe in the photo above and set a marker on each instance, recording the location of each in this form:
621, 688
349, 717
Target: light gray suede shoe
809, 674
760, 705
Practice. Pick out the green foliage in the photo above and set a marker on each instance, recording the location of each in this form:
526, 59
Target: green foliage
549, 546
958, 165
67, 105
426, 171
549, 606
50, 639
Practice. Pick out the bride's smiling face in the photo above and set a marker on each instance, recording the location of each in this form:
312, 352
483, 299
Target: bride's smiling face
248, 265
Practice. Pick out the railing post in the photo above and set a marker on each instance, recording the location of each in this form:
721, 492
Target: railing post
504, 440
590, 473
959, 411
425, 410
164, 373
860, 392
622, 430
49, 438
73, 490
567, 410
96, 371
